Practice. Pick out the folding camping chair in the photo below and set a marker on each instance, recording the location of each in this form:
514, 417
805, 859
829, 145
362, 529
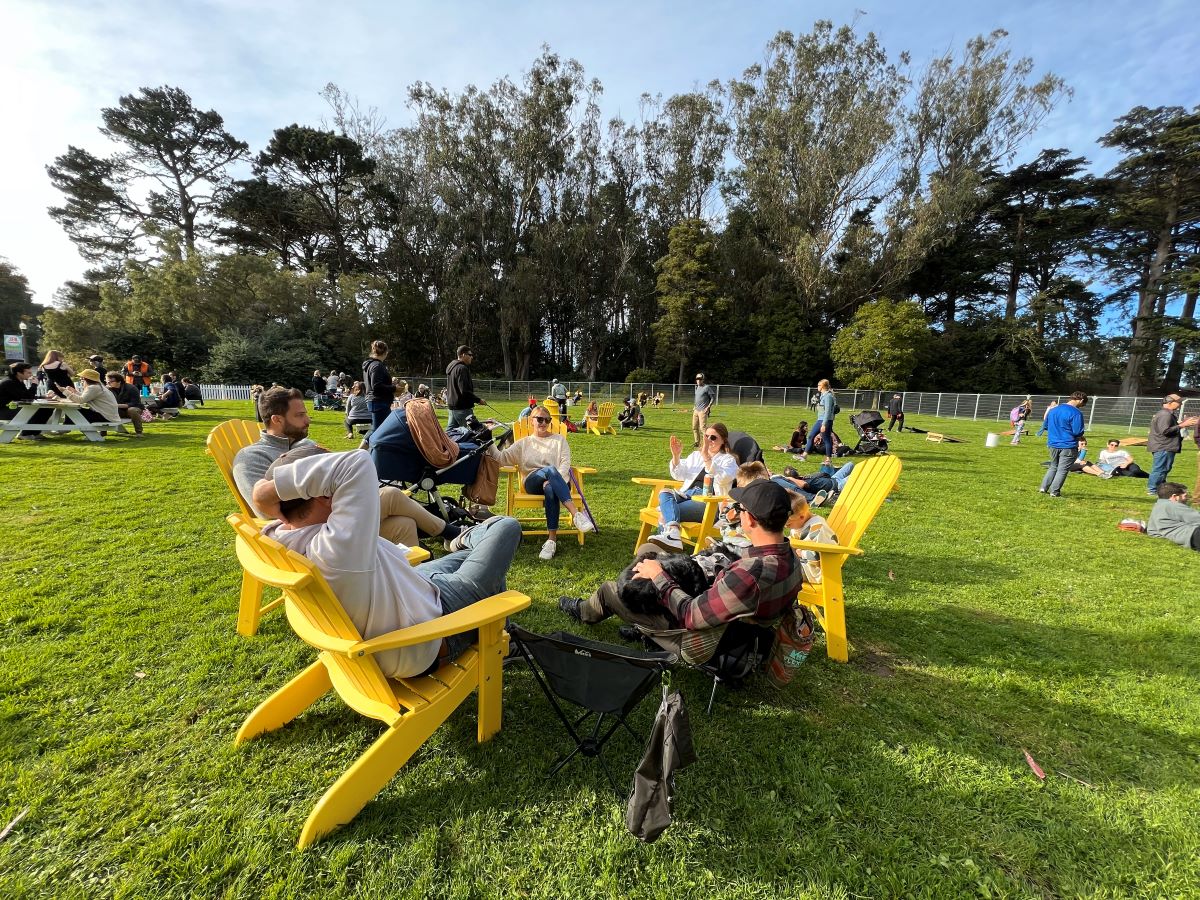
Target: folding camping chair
606, 680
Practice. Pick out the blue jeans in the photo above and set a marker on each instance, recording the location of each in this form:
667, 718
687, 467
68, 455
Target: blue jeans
468, 576
1061, 459
824, 437
380, 410
1163, 461
549, 482
458, 417
672, 509
839, 476
794, 488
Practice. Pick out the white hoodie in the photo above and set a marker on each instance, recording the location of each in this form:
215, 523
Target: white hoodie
373, 579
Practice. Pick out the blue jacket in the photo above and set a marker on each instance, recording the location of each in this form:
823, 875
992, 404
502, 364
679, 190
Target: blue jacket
1064, 427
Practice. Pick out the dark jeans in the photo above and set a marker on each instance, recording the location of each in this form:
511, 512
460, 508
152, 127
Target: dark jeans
896, 420
824, 438
548, 482
380, 410
1163, 461
1061, 459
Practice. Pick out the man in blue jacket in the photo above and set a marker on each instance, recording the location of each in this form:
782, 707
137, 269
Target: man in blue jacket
1064, 429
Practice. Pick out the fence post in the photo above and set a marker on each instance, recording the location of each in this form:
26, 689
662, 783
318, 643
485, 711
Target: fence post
939, 406
717, 402
739, 395
785, 398
1132, 411
673, 393
976, 416
762, 396
1090, 415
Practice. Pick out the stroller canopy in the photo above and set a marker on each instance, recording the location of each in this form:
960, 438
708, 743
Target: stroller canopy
868, 418
744, 447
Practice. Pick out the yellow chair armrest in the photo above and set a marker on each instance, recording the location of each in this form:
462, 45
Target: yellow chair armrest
717, 498
826, 548
509, 469
585, 470
658, 482
268, 574
417, 555
490, 609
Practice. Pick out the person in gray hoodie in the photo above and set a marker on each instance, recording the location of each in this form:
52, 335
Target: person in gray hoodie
1172, 518
326, 506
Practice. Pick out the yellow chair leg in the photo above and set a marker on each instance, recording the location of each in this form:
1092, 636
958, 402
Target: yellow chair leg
249, 611
836, 643
643, 536
374, 769
286, 703
493, 644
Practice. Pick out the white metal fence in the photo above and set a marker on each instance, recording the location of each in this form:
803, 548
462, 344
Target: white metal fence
1130, 413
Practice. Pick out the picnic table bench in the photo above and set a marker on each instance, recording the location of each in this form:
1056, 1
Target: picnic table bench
64, 417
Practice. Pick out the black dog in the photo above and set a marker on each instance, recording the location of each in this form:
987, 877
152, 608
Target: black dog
639, 594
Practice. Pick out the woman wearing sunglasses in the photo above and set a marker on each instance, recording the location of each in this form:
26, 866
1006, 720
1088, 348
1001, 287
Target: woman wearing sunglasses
674, 506
544, 461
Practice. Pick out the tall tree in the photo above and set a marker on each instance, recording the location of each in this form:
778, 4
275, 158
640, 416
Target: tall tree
171, 160
687, 291
880, 347
1155, 196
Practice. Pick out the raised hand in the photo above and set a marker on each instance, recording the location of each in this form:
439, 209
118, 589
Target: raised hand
676, 446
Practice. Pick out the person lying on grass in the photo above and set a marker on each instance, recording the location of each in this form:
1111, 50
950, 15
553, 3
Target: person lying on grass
1172, 518
402, 519
326, 506
763, 581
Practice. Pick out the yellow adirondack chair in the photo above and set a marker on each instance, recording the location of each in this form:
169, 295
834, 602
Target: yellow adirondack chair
602, 424
691, 532
411, 708
556, 412
223, 444
868, 486
517, 499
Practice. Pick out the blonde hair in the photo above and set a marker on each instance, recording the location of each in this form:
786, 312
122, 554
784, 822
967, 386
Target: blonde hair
799, 506
751, 471
823, 383
53, 356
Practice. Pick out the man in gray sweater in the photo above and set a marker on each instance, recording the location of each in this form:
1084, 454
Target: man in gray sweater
1165, 441
1173, 519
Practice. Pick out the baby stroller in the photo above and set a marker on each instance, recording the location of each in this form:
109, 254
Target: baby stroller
421, 460
871, 440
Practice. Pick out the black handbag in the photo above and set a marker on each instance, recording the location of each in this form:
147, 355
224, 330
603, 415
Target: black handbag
670, 748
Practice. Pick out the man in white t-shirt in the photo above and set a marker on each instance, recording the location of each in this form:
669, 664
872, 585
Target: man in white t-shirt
1113, 461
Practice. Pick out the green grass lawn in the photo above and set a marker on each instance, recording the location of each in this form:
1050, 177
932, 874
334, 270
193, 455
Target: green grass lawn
985, 618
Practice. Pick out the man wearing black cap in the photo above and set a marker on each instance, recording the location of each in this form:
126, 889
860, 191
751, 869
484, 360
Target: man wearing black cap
764, 582
97, 362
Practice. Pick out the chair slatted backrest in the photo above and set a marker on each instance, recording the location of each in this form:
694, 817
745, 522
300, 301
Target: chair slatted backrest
555, 410
866, 489
523, 428
604, 415
223, 444
318, 618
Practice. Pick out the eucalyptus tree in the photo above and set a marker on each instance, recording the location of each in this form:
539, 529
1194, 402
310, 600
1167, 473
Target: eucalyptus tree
170, 161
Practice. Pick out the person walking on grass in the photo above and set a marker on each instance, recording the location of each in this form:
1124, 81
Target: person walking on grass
827, 407
706, 396
1064, 431
1165, 440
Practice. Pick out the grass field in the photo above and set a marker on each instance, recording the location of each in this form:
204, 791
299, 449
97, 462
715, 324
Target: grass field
985, 618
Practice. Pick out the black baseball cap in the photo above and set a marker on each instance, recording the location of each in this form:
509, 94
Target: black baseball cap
766, 501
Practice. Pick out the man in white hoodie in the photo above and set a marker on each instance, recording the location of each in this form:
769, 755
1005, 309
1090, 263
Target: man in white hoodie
327, 505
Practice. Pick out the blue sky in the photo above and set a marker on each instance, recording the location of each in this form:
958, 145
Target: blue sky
262, 65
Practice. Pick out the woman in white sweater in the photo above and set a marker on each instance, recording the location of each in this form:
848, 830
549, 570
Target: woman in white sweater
543, 460
713, 458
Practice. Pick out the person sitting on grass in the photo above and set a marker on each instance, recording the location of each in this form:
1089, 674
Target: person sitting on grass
191, 391
798, 440
1172, 518
402, 519
358, 412
674, 506
631, 415
763, 582
21, 387
1118, 461
325, 507
543, 461
129, 401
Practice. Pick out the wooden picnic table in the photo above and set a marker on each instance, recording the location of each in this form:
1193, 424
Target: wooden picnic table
65, 416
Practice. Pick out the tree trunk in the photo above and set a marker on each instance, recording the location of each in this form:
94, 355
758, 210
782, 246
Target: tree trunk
1014, 272
1179, 352
682, 364
1144, 347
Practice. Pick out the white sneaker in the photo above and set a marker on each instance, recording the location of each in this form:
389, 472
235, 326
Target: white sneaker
548, 550
820, 498
668, 539
584, 522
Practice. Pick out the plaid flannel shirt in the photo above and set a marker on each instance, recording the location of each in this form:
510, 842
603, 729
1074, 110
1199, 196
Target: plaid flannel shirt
763, 583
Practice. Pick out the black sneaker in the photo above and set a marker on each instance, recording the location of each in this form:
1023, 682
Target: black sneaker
570, 606
630, 633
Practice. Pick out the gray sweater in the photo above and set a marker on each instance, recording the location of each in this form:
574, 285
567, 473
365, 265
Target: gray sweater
1164, 432
251, 463
1174, 521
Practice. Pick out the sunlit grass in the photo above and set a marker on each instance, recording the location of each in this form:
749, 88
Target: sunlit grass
985, 619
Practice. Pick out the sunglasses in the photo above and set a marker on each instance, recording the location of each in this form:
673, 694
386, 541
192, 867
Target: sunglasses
713, 437
737, 508
541, 418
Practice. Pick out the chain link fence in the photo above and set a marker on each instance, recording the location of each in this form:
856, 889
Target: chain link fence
1130, 413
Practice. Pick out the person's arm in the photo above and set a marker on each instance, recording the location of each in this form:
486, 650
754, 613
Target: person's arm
734, 594
1080, 428
564, 459
685, 469
348, 541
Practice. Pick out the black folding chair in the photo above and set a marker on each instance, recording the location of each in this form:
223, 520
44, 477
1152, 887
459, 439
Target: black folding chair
607, 681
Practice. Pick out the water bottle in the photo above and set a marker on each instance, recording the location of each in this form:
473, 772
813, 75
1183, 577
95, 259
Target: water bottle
708, 485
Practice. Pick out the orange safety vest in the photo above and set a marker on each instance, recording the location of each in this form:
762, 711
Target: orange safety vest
134, 376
